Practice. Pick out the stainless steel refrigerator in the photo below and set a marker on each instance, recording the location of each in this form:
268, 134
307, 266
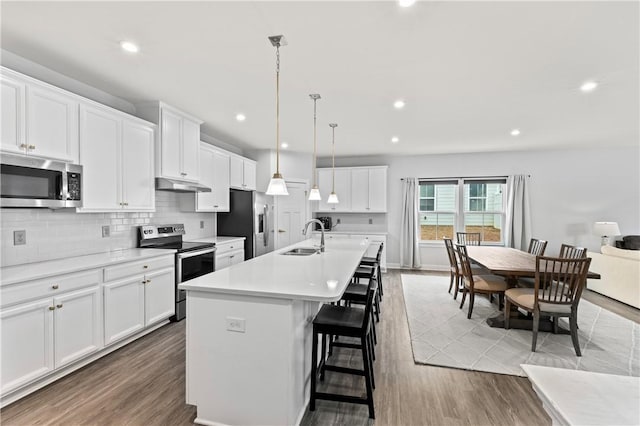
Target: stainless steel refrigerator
251, 216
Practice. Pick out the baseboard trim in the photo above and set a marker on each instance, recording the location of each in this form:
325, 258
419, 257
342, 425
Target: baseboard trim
55, 375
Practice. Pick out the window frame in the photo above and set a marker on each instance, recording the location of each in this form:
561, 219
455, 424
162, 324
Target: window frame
460, 212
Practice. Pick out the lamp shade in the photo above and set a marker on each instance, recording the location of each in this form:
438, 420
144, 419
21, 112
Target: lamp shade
314, 194
333, 198
606, 229
277, 186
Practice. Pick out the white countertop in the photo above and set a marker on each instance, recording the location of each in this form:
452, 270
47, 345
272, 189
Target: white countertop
33, 271
353, 232
320, 277
218, 240
583, 398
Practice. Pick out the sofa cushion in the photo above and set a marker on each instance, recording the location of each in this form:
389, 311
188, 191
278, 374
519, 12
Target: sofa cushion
631, 242
627, 254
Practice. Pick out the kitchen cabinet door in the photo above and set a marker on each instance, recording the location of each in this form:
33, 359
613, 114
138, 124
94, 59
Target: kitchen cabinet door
12, 115
236, 172
205, 200
123, 308
343, 190
159, 296
26, 333
249, 175
360, 190
324, 183
171, 144
77, 325
138, 176
221, 182
190, 150
378, 190
52, 124
100, 138
223, 261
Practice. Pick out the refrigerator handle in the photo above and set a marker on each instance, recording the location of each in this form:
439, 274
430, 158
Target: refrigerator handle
265, 233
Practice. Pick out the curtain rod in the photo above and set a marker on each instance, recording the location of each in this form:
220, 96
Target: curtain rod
464, 177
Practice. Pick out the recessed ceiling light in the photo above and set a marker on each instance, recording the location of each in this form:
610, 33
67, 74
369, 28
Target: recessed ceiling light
589, 86
395, 139
240, 117
284, 145
399, 104
515, 132
130, 47
406, 3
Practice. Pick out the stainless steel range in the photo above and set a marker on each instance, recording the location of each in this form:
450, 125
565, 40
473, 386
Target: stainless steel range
192, 259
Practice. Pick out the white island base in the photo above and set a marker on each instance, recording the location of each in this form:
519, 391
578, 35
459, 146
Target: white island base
249, 334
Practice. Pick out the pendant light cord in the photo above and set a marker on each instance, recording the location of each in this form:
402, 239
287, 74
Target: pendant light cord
333, 160
315, 183
278, 109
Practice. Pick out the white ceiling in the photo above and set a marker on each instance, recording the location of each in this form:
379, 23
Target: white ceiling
468, 71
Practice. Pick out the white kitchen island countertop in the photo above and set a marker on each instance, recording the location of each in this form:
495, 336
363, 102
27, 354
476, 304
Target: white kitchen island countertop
321, 277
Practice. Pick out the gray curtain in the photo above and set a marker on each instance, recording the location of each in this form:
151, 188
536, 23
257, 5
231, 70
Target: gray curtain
518, 226
409, 233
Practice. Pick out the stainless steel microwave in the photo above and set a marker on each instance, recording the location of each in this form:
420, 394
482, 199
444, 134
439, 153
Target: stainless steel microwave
38, 182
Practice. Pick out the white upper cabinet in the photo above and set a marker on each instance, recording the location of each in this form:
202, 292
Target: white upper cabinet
177, 141
12, 110
214, 173
359, 189
242, 174
117, 154
38, 119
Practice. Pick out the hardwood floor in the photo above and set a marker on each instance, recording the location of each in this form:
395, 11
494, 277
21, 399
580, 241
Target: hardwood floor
143, 384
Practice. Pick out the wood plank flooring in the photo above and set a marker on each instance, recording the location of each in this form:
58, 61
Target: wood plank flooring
143, 384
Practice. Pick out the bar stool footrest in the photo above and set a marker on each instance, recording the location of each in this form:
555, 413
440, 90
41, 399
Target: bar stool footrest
341, 398
344, 370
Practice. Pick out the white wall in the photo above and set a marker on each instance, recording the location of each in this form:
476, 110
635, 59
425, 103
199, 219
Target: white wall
293, 166
570, 190
55, 234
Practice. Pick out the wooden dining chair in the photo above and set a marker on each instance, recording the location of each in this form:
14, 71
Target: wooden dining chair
468, 238
558, 286
537, 247
572, 252
454, 269
484, 284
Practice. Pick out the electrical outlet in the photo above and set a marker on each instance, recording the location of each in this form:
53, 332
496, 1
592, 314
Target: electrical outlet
202, 224
236, 324
370, 221
338, 221
19, 238
106, 231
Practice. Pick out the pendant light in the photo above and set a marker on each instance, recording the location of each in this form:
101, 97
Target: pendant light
314, 195
333, 197
277, 185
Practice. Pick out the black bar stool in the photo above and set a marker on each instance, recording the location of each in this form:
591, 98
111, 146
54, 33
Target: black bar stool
346, 321
375, 262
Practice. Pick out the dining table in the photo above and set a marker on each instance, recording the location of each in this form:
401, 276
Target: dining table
513, 265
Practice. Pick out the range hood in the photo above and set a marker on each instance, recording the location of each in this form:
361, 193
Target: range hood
174, 185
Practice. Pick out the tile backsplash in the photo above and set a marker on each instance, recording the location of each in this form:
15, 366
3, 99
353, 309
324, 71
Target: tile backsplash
55, 234
357, 222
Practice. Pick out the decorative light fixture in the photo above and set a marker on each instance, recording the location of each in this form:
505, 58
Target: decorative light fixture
277, 185
606, 230
314, 194
333, 197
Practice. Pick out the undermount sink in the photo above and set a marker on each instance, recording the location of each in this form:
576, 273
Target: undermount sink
301, 252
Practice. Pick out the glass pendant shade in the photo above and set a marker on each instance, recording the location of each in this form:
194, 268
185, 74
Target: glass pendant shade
277, 186
314, 194
333, 198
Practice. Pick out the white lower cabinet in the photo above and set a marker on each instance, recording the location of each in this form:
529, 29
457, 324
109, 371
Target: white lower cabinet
123, 308
159, 296
229, 253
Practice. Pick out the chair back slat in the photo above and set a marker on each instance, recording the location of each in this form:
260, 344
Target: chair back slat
468, 238
537, 247
371, 291
572, 252
560, 281
465, 264
451, 253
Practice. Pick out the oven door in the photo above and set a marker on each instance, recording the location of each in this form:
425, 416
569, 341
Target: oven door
193, 264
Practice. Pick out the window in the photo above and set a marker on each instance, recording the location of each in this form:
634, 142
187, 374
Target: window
462, 205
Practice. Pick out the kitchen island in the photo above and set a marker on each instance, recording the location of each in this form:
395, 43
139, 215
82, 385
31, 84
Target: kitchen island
249, 332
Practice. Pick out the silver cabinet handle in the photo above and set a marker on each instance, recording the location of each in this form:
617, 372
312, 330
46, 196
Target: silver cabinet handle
59, 306
55, 286
32, 147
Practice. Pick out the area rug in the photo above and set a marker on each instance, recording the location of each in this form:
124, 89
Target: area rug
442, 335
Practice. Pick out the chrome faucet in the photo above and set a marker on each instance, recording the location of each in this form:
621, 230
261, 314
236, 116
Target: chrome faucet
306, 228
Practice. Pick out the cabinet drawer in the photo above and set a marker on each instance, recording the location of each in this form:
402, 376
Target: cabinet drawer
227, 247
48, 287
138, 267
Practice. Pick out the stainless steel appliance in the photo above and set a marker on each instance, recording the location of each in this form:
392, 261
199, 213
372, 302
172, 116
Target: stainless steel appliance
251, 216
326, 221
192, 259
36, 182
